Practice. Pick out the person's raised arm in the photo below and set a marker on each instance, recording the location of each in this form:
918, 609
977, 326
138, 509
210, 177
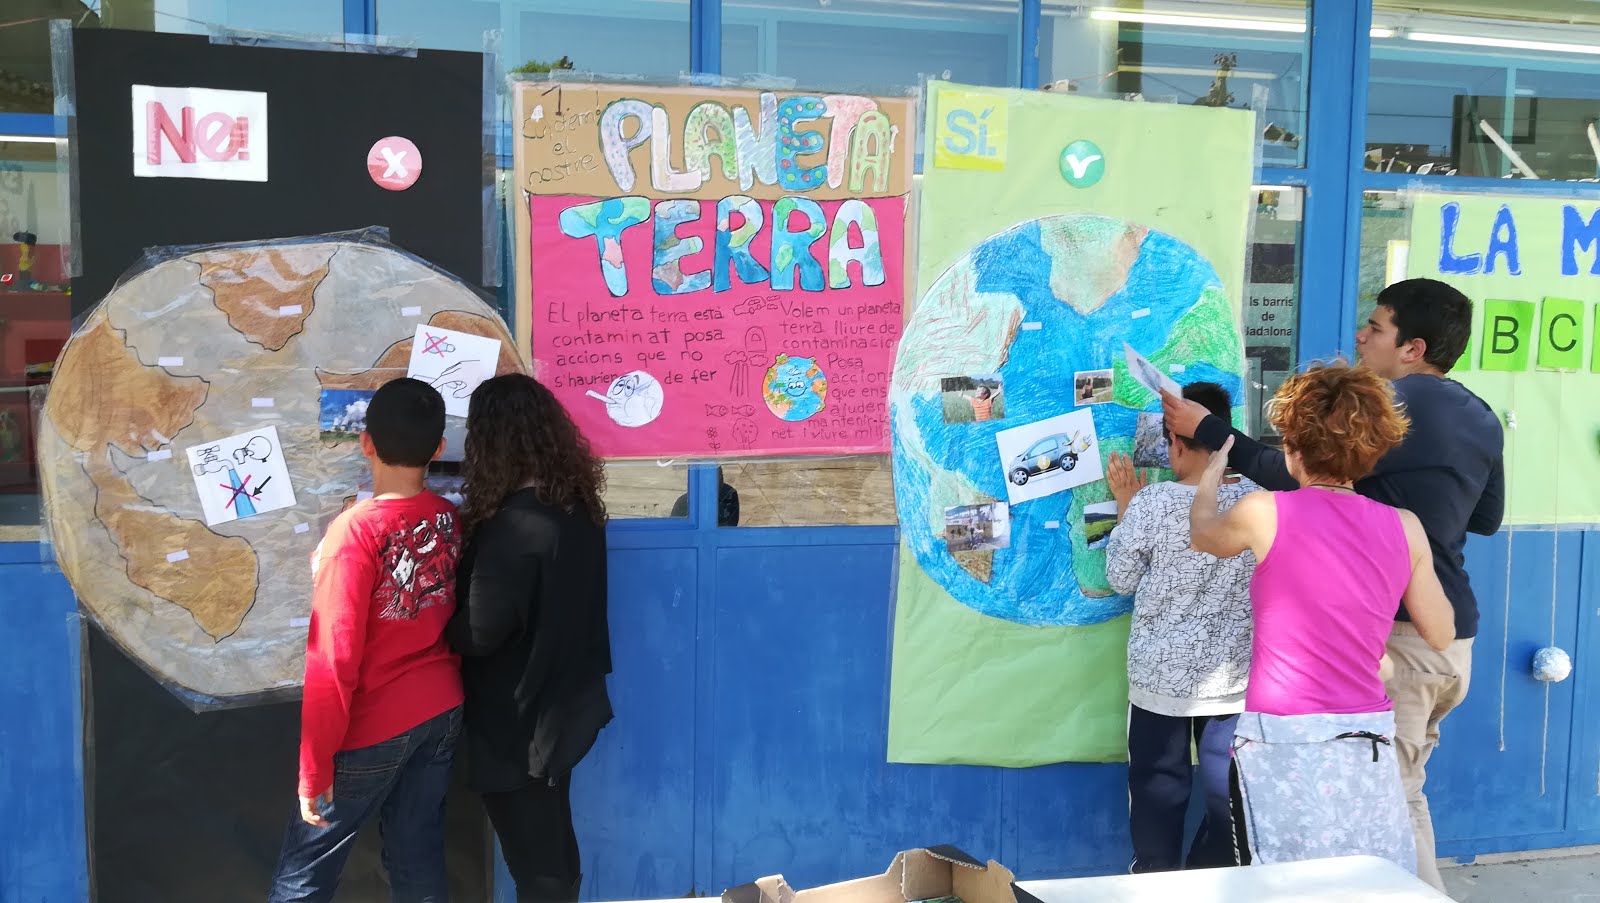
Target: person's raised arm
1132, 541
1262, 463
1249, 525
494, 602
1430, 610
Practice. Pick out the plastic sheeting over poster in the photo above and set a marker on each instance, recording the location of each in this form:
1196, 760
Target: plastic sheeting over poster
201, 432
1530, 266
1056, 235
713, 272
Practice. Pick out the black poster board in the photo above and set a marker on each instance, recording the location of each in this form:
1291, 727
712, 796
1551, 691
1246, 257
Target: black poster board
325, 110
189, 807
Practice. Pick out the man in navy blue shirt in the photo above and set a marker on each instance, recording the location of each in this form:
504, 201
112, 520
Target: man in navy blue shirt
1448, 472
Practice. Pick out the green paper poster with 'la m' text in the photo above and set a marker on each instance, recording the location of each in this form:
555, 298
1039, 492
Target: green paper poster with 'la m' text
1531, 267
1055, 234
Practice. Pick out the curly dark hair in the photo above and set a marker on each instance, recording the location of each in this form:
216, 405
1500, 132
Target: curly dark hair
1339, 419
518, 434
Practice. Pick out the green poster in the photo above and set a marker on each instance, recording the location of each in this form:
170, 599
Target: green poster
1055, 233
1529, 265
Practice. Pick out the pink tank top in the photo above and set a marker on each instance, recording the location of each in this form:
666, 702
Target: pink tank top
1324, 600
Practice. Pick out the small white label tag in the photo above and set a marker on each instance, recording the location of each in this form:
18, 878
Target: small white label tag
169, 362
175, 557
160, 454
302, 528
260, 402
1141, 313
410, 311
290, 310
1031, 326
299, 622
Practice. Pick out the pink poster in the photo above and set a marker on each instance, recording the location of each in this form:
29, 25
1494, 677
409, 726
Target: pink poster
713, 328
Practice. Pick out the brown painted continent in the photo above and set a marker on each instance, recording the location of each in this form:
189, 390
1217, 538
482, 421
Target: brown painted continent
216, 583
103, 395
254, 289
395, 359
979, 563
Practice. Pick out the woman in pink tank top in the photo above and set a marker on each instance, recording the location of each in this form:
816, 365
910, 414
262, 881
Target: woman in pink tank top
1315, 762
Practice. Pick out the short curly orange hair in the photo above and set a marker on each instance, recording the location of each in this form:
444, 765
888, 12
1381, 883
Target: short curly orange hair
1339, 419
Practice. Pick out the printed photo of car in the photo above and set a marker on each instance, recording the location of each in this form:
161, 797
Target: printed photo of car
1058, 451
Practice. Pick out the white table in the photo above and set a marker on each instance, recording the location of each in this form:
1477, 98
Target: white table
1364, 878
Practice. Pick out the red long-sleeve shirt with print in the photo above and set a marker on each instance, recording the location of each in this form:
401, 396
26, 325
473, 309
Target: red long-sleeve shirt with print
377, 664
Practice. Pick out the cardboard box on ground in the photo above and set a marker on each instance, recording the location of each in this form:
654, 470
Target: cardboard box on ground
928, 874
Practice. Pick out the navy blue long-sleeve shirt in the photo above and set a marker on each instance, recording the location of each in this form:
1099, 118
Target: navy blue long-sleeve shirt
1449, 472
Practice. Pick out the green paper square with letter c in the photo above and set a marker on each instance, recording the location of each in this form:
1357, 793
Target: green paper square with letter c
1561, 334
1507, 335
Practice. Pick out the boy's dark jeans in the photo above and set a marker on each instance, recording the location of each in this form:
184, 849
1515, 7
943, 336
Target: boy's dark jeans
1159, 784
402, 781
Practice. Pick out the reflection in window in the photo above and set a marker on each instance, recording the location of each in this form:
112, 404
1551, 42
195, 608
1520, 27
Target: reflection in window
826, 491
1240, 55
1457, 95
646, 489
872, 45
1272, 300
629, 37
35, 312
1383, 223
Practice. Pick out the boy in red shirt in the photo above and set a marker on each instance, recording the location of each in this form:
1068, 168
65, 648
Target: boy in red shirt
383, 697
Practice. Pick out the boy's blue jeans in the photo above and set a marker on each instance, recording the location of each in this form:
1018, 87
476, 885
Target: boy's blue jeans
1160, 781
402, 781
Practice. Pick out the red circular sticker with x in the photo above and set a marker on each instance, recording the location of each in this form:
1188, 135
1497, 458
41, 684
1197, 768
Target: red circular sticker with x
395, 163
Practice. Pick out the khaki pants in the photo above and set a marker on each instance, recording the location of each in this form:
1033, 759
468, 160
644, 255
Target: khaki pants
1425, 686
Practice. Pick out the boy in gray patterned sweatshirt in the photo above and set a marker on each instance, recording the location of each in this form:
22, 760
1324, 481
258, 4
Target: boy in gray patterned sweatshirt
1188, 655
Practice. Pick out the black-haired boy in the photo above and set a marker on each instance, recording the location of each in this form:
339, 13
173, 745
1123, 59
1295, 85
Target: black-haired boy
382, 704
1188, 654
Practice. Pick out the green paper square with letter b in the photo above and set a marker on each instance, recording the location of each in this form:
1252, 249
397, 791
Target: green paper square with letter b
1507, 335
1561, 334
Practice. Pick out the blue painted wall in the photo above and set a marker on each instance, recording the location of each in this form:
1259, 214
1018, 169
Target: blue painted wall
42, 856
751, 696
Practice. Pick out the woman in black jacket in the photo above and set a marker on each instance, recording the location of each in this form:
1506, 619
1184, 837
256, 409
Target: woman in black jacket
530, 624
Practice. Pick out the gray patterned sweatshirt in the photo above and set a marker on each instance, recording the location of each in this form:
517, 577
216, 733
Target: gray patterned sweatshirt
1189, 646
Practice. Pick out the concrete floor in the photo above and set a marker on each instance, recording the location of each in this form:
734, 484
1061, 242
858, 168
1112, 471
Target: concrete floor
1570, 876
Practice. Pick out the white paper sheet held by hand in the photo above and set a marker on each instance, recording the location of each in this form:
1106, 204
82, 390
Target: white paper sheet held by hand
1146, 374
452, 362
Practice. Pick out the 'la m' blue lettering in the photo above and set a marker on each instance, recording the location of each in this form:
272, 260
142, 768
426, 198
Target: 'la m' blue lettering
1578, 235
1502, 244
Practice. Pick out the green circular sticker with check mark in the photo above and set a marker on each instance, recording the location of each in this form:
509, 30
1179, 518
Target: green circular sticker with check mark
1082, 164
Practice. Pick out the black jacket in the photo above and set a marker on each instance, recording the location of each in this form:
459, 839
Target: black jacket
1449, 472
531, 627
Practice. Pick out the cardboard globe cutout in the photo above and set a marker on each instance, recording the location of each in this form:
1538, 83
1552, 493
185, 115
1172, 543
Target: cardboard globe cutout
200, 434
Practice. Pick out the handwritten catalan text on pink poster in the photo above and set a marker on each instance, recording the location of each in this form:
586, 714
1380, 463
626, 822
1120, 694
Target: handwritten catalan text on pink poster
727, 328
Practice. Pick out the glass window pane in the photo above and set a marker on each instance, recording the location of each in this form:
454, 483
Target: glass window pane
313, 18
872, 45
1272, 300
1384, 220
35, 316
646, 489
629, 37
1454, 94
1239, 54
827, 491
